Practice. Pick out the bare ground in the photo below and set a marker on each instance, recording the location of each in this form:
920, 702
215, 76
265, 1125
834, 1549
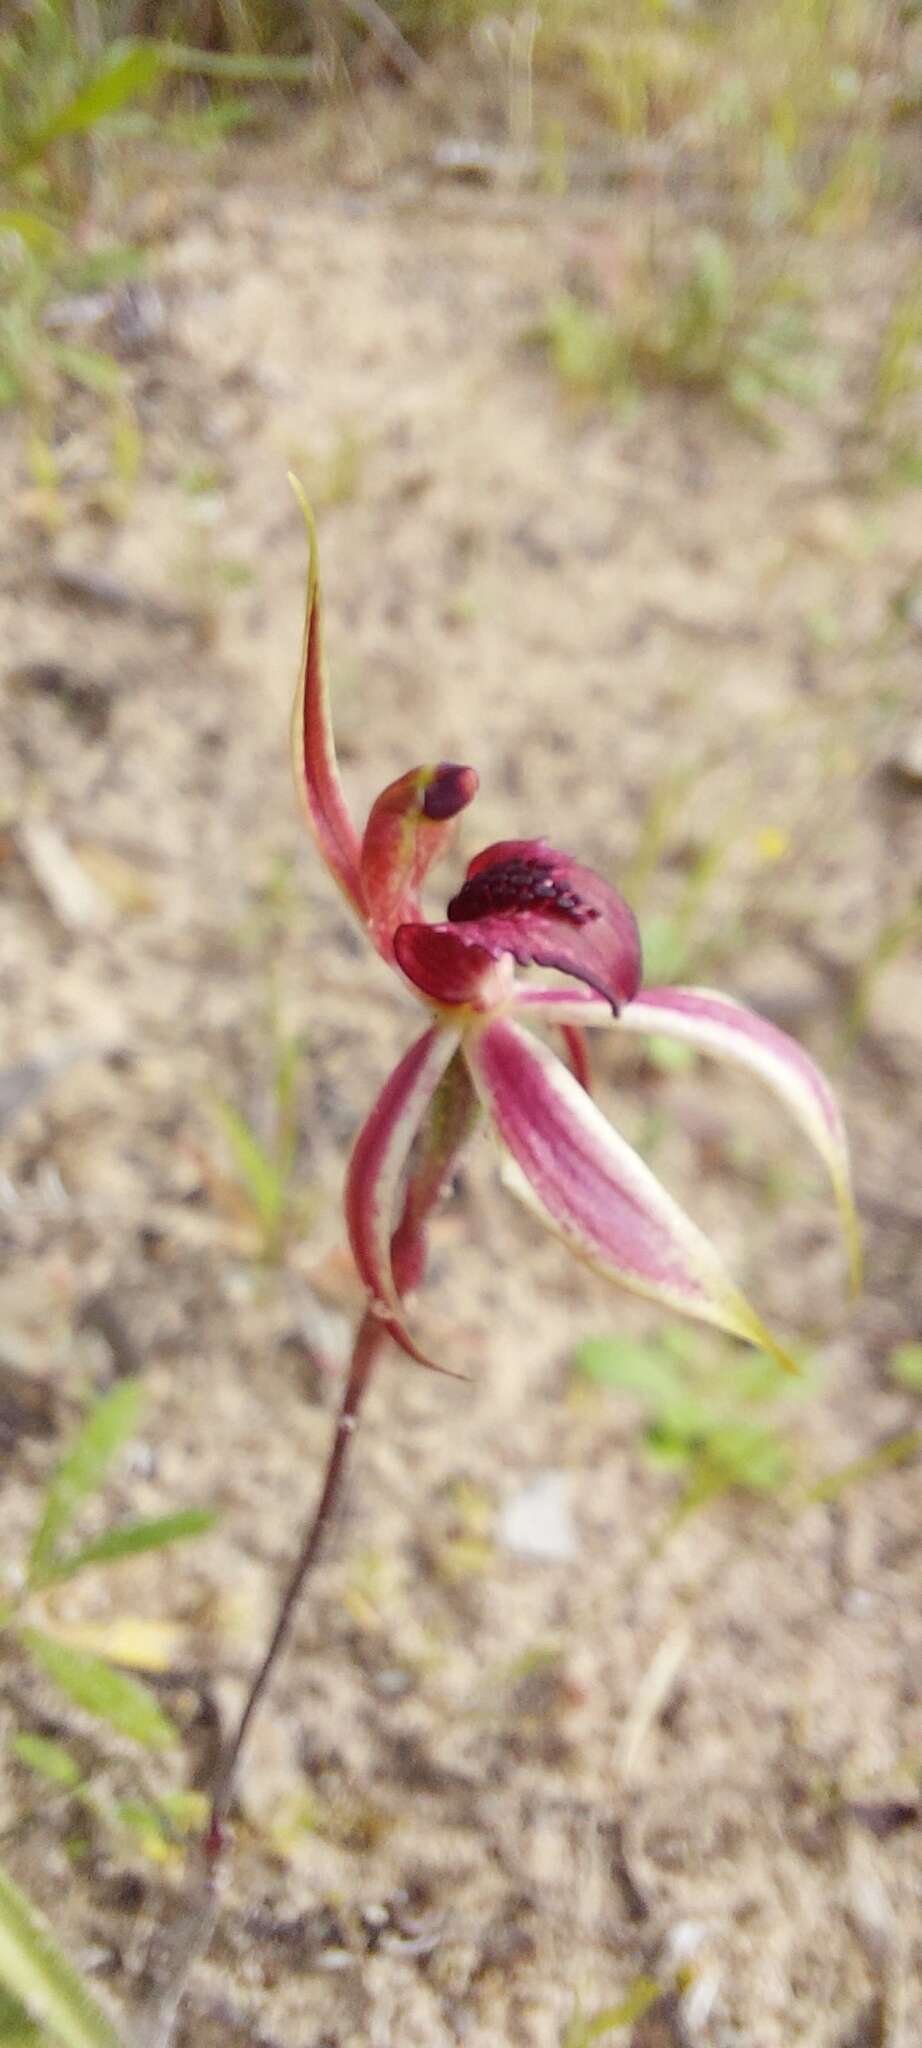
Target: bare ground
485, 1783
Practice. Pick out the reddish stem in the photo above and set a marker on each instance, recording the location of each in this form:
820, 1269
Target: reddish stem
369, 1338
184, 1944
450, 1119
578, 1054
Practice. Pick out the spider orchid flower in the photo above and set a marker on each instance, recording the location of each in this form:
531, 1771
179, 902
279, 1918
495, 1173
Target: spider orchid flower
521, 903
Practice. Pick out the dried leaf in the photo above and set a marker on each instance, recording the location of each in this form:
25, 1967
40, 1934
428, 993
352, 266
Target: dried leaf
67, 888
132, 1640
127, 887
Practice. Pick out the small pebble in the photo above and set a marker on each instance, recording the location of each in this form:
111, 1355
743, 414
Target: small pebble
536, 1521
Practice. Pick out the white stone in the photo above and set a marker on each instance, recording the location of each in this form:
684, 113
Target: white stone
536, 1521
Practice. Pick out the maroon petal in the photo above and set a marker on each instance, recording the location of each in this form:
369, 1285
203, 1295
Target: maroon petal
313, 746
376, 1169
445, 965
448, 1123
520, 897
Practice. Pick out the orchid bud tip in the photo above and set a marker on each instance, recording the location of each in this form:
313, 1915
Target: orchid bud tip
450, 790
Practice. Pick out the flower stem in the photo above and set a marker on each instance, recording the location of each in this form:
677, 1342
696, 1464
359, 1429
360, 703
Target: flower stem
369, 1338
450, 1119
188, 1941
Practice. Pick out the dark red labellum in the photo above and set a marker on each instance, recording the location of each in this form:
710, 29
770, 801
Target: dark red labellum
519, 884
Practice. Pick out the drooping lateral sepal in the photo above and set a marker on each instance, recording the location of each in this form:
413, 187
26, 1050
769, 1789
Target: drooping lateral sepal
445, 1129
521, 897
590, 1187
410, 824
714, 1023
313, 745
376, 1171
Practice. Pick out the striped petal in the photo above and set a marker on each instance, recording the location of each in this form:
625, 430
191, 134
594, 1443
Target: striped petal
313, 746
563, 1006
586, 1184
376, 1170
410, 824
714, 1023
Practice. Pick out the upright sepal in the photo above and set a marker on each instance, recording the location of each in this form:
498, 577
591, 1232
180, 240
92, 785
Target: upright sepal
590, 1187
313, 746
376, 1170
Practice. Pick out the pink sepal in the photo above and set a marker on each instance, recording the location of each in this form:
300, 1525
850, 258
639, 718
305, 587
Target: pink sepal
592, 1189
376, 1169
714, 1023
313, 746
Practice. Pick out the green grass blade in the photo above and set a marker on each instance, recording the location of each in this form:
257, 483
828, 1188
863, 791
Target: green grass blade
39, 1976
97, 1687
584, 2032
16, 2028
906, 1366
38, 234
898, 1450
49, 1760
134, 1537
236, 64
109, 1424
643, 1369
91, 368
256, 1168
127, 70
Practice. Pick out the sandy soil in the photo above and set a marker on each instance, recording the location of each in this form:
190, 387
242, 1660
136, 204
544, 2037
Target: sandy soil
486, 1783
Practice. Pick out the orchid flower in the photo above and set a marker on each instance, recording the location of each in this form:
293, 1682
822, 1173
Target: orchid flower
522, 904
